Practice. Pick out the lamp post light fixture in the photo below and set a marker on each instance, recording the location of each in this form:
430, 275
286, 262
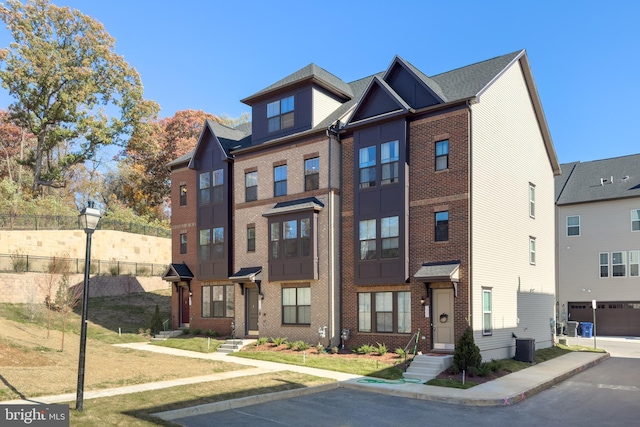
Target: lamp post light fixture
89, 218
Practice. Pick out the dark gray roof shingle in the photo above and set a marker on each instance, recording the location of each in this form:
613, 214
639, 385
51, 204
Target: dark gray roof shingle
592, 181
467, 82
311, 71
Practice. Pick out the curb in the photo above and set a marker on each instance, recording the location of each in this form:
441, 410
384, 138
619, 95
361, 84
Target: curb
224, 405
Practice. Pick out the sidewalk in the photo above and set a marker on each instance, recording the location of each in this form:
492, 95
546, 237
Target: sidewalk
506, 390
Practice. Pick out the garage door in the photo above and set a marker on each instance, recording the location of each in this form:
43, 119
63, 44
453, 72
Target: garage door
612, 318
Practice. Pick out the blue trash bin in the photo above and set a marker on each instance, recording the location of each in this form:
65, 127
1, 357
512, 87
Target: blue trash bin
587, 329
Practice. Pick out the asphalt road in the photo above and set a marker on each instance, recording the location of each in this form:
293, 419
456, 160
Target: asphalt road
605, 395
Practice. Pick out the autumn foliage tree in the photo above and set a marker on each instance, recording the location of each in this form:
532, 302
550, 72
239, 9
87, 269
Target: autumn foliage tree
146, 184
64, 75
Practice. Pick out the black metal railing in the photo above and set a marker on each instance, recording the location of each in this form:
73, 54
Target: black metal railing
60, 222
18, 263
413, 341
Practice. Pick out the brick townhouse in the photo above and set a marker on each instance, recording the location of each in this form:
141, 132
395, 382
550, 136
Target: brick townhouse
393, 204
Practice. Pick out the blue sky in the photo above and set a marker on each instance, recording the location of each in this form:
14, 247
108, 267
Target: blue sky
199, 54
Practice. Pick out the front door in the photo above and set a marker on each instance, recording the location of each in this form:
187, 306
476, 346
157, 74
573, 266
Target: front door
443, 320
184, 305
251, 298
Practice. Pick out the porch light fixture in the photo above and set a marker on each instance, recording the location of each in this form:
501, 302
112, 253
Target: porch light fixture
422, 300
88, 218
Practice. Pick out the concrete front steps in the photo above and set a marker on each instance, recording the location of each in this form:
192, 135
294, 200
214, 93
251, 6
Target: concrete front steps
426, 367
233, 345
163, 335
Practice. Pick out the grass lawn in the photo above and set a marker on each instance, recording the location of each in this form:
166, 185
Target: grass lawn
200, 344
133, 410
352, 365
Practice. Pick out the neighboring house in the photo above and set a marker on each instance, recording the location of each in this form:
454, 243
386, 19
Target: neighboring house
384, 206
598, 234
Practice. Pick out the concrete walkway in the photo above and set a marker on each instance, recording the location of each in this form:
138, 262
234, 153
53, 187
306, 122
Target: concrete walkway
506, 390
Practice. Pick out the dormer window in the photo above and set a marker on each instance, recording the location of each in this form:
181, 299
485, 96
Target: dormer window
280, 114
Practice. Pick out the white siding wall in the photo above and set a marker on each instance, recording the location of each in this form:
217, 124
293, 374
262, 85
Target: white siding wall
323, 105
604, 227
508, 153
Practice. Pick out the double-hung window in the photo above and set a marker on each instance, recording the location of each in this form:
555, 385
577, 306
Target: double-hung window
388, 312
389, 162
218, 185
280, 114
367, 237
211, 240
389, 232
618, 264
367, 167
290, 238
532, 200
312, 174
205, 245
604, 264
442, 226
634, 263
218, 301
205, 188
486, 312
532, 250
295, 240
635, 220
573, 225
442, 155
183, 195
280, 180
218, 243
251, 238
296, 306
251, 186
183, 243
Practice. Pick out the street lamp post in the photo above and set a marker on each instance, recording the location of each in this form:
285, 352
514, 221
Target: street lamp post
89, 218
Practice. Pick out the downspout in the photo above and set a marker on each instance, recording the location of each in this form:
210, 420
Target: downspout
470, 248
331, 131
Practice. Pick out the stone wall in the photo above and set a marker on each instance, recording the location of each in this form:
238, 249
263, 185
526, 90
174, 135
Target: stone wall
105, 245
22, 288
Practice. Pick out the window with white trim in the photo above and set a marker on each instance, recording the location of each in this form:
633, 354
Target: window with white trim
573, 225
532, 250
604, 264
618, 264
532, 200
487, 328
634, 263
635, 220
